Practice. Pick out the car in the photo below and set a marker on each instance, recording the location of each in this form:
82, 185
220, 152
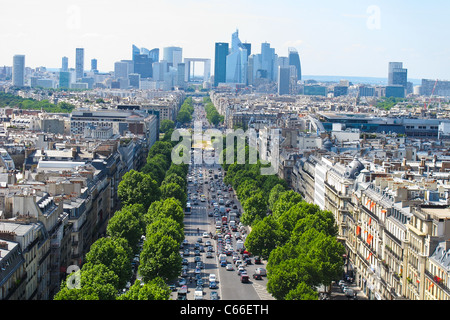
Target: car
185, 261
214, 295
199, 240
212, 277
197, 270
208, 243
183, 289
209, 255
185, 242
257, 260
240, 270
173, 287
205, 235
181, 296
213, 285
244, 278
257, 276
350, 293
197, 252
210, 249
229, 267
200, 283
261, 271
223, 263
182, 282
198, 294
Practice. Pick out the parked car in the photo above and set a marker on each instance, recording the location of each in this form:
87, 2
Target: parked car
214, 295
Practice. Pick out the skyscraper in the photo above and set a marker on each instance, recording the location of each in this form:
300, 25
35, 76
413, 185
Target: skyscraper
143, 65
237, 61
64, 64
397, 74
121, 70
18, 71
284, 76
79, 63
294, 60
94, 65
173, 55
220, 62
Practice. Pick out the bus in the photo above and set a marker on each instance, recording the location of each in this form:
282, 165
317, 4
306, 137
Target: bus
188, 208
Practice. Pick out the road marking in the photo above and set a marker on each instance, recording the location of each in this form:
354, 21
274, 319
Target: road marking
261, 291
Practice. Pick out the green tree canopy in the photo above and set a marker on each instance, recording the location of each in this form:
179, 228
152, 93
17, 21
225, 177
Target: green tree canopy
156, 289
138, 187
113, 253
160, 257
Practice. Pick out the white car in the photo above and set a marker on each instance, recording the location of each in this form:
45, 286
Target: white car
261, 271
205, 235
229, 267
212, 277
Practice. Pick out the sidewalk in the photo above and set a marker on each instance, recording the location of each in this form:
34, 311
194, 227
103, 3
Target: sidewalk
337, 294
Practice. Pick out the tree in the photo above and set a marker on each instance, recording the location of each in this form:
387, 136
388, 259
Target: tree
264, 237
174, 190
255, 208
138, 187
170, 207
160, 148
246, 189
274, 194
166, 125
184, 117
168, 226
302, 292
285, 201
160, 257
97, 282
174, 178
113, 253
156, 289
124, 224
286, 276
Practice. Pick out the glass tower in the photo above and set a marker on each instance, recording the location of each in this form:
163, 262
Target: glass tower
237, 61
79, 63
294, 60
220, 63
18, 71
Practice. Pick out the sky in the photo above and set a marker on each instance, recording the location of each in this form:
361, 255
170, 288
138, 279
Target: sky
337, 38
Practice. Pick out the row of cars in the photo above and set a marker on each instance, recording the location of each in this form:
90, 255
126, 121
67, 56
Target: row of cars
349, 293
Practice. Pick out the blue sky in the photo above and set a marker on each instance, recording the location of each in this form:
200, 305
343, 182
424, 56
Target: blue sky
348, 38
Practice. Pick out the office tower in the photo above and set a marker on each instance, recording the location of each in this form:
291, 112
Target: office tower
284, 76
134, 51
18, 71
268, 60
65, 64
121, 70
94, 65
397, 74
237, 61
154, 55
220, 63
142, 65
134, 79
64, 79
294, 60
181, 75
173, 55
79, 63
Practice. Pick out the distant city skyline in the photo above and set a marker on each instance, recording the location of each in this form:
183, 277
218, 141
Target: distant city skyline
341, 38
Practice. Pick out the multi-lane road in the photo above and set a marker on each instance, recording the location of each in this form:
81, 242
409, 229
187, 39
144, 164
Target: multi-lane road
207, 180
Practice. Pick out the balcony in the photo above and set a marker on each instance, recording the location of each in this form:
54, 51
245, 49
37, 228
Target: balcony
436, 281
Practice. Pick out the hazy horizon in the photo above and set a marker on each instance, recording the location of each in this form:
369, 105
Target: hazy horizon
354, 38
